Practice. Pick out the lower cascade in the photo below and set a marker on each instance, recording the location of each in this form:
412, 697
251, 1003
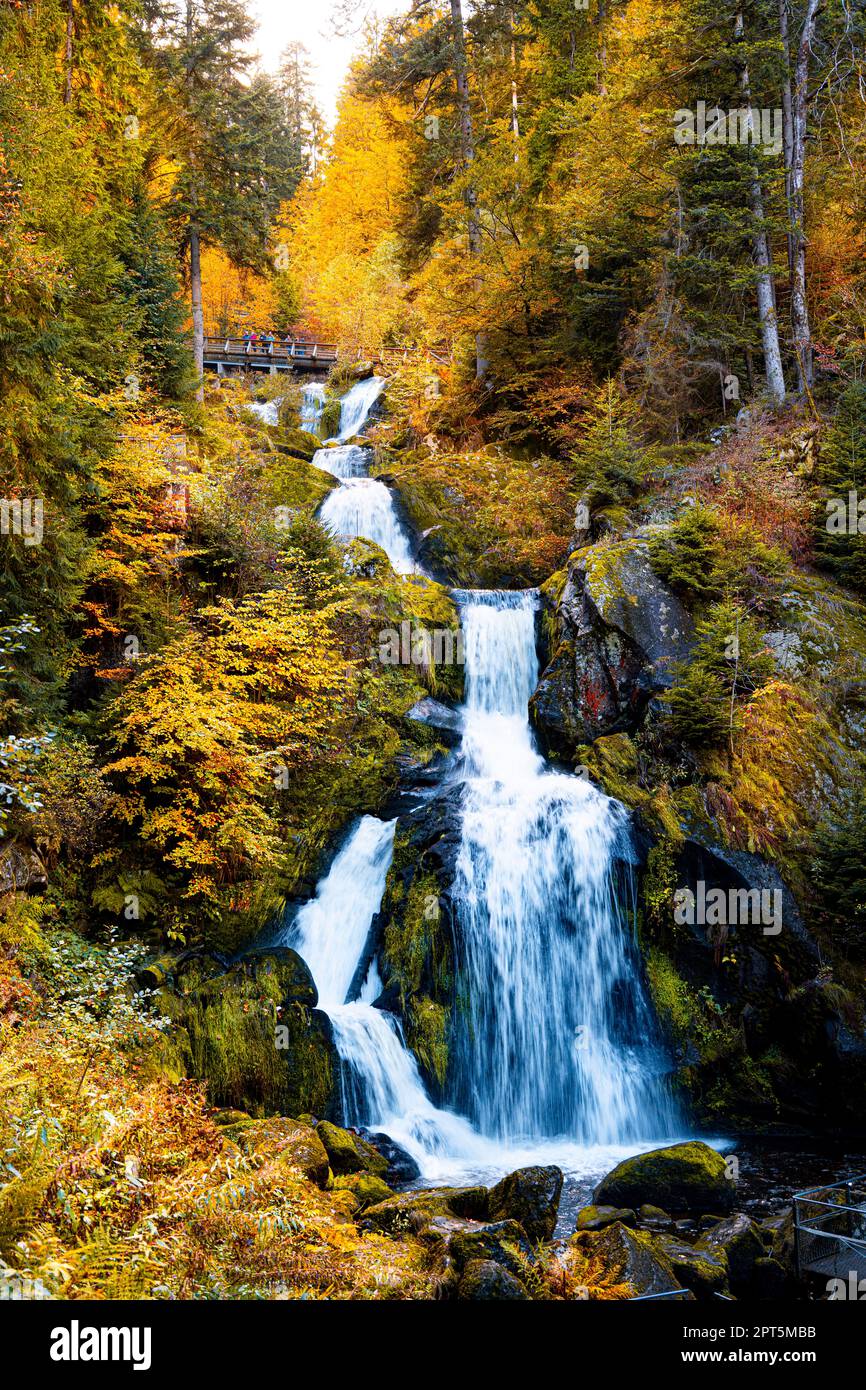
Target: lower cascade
556, 1051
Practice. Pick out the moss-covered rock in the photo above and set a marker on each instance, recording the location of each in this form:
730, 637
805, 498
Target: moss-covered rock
593, 1218
487, 1281
618, 1257
683, 1177
529, 1196
738, 1239
703, 1271
350, 1153
411, 1211
284, 1141
257, 1039
368, 1189
503, 1242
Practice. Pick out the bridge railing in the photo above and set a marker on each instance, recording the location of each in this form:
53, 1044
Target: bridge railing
830, 1228
230, 348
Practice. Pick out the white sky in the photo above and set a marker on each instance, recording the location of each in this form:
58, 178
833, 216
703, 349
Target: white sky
282, 22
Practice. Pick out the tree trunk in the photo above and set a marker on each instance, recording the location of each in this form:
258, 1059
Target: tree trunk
197, 307
766, 294
515, 109
787, 125
467, 148
799, 304
70, 31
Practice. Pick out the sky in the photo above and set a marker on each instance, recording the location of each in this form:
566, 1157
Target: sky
308, 21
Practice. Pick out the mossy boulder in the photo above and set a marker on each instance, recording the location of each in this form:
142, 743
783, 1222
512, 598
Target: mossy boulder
300, 443
596, 1218
411, 1211
368, 1190
529, 1196
487, 1281
688, 1177
349, 1153
503, 1242
618, 1257
257, 1040
283, 1141
703, 1271
738, 1239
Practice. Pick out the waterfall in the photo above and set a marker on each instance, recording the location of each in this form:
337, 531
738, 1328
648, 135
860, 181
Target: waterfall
343, 460
555, 1053
365, 507
266, 411
556, 1037
312, 403
357, 404
380, 1081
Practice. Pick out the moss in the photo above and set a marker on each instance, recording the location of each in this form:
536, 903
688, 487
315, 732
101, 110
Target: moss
690, 1177
612, 761
235, 1045
329, 424
427, 1034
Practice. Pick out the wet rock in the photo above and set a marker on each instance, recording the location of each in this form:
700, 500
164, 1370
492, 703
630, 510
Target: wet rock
411, 1211
739, 1240
617, 1255
486, 1281
531, 1197
596, 1218
654, 1215
402, 1167
349, 1153
503, 1242
702, 1271
770, 1282
682, 1177
447, 722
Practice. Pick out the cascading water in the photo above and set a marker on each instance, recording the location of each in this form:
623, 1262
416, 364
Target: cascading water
381, 1084
356, 405
556, 1037
312, 404
365, 507
343, 460
266, 411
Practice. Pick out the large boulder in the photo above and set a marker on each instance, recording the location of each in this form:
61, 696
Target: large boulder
683, 1177
412, 1211
286, 1142
618, 632
402, 1167
486, 1281
617, 1256
531, 1197
739, 1240
349, 1153
257, 1039
367, 1189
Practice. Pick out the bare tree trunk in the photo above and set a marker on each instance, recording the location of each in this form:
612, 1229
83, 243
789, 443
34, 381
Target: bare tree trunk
515, 111
766, 294
197, 308
787, 125
799, 304
70, 32
467, 146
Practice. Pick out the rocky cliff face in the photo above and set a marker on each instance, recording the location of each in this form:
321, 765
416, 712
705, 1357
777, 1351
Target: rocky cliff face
765, 1012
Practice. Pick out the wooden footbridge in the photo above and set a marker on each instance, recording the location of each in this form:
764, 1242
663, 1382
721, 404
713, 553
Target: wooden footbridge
234, 356
830, 1235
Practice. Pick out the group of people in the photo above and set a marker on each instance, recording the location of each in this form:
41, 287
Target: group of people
253, 340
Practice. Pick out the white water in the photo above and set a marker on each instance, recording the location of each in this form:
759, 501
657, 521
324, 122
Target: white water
357, 404
343, 460
556, 1038
312, 402
556, 1059
266, 411
365, 507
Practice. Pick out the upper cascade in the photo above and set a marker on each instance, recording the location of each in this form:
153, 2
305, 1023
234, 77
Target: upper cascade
356, 405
